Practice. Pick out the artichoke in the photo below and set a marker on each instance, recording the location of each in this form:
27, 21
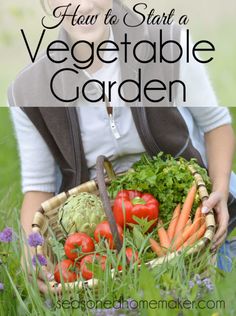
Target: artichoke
81, 213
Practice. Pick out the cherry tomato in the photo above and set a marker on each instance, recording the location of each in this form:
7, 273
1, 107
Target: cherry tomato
103, 231
78, 244
87, 274
131, 256
69, 271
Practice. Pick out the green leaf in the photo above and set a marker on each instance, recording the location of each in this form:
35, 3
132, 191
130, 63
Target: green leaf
138, 237
143, 224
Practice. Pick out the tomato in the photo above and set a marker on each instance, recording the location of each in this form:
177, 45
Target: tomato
131, 257
78, 243
87, 274
69, 271
103, 231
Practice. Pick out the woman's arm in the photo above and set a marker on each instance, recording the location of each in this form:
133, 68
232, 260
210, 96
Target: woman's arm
31, 203
220, 148
38, 167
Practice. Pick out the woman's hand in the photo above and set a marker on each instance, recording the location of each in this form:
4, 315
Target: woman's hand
218, 202
44, 274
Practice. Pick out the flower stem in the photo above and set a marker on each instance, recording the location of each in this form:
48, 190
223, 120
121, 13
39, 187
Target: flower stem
36, 267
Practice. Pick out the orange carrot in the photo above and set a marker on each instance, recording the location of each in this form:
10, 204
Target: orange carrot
188, 224
173, 222
188, 231
156, 247
164, 239
195, 237
197, 221
186, 209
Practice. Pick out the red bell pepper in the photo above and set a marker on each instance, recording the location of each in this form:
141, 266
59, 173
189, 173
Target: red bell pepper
129, 203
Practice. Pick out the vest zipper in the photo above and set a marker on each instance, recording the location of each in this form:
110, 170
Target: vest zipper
113, 126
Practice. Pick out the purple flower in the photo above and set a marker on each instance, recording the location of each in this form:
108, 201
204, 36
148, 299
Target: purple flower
6, 235
105, 312
39, 259
191, 284
1, 286
208, 284
198, 279
113, 312
35, 239
121, 308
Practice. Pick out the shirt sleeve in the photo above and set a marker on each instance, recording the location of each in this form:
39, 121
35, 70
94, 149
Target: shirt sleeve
38, 167
201, 99
199, 90
209, 118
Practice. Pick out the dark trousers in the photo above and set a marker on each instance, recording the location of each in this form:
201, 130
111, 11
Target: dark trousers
232, 214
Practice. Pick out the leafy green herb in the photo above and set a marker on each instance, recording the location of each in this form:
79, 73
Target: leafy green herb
167, 178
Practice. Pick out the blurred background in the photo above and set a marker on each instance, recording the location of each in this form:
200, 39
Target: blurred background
212, 20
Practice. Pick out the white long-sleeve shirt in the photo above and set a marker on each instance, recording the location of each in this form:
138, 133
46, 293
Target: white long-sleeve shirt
123, 147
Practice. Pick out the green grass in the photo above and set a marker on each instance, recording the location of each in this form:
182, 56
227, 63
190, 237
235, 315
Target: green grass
10, 191
166, 284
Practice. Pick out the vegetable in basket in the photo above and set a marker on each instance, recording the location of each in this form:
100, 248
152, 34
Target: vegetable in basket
81, 213
77, 245
182, 231
103, 231
131, 257
69, 271
94, 259
130, 203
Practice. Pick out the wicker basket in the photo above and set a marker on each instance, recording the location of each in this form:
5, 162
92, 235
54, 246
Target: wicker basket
47, 216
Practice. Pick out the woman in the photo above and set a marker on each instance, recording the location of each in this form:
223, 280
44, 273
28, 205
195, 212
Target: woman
58, 145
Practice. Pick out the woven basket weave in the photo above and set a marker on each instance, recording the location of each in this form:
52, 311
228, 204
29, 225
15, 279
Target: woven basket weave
47, 217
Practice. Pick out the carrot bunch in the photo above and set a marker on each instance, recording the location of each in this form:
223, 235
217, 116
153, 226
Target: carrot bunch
182, 231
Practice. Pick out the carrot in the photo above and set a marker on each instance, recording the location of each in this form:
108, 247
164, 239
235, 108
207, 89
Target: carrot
197, 221
186, 209
156, 247
196, 236
173, 222
188, 224
188, 230
162, 233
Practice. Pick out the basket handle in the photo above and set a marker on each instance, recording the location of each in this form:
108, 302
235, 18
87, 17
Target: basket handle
101, 163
